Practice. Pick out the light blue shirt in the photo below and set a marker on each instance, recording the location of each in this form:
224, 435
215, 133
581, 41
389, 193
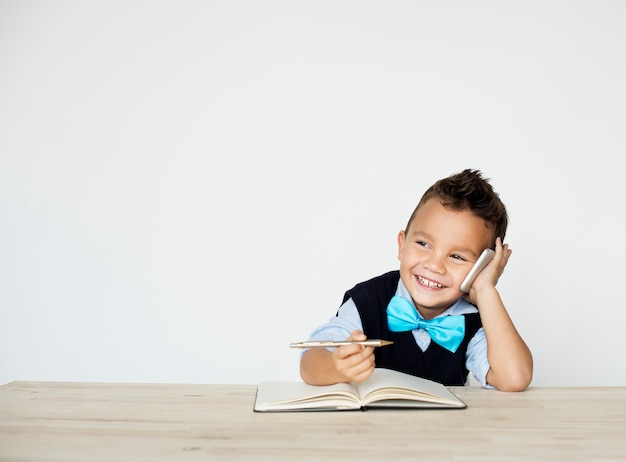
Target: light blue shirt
348, 320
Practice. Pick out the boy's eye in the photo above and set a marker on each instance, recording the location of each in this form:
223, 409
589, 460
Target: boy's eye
458, 257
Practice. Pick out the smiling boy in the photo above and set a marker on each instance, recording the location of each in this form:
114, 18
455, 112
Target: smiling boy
454, 221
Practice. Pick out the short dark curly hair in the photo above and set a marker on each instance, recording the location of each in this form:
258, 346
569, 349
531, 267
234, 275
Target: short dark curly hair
468, 190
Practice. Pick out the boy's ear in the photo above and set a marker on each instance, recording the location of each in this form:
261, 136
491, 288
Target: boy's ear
401, 240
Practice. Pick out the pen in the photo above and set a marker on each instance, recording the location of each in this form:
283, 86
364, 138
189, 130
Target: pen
331, 343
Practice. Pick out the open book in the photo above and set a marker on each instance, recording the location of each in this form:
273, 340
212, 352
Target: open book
384, 389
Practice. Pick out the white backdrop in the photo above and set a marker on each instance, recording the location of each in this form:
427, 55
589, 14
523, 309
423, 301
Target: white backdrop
187, 187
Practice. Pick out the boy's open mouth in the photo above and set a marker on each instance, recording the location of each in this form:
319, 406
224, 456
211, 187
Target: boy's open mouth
429, 283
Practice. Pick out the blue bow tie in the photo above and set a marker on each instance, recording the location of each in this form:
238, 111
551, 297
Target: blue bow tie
447, 331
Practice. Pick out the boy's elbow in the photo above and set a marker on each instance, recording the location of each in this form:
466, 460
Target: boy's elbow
512, 375
510, 379
514, 386
515, 382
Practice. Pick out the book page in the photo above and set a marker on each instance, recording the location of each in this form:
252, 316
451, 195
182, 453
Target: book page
284, 396
386, 384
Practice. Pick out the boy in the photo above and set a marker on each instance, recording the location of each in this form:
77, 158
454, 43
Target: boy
454, 221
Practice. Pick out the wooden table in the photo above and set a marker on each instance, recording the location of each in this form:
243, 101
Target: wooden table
48, 421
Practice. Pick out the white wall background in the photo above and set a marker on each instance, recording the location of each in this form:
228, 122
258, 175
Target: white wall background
187, 187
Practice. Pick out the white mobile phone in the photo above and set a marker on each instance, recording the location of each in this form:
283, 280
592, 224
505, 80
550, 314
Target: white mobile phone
482, 261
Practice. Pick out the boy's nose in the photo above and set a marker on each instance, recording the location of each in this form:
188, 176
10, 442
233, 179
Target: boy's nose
435, 263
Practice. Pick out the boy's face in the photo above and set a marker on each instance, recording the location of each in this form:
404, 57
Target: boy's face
437, 253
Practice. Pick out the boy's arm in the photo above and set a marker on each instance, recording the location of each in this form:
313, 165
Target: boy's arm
348, 363
510, 360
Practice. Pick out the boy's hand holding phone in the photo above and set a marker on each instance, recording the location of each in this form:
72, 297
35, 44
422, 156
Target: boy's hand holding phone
485, 259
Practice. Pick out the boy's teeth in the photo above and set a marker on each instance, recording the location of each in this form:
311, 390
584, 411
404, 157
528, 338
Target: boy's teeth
428, 283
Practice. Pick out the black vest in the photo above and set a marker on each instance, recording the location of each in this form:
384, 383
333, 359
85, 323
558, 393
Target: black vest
436, 363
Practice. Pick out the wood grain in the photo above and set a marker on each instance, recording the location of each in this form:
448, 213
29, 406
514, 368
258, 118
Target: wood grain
52, 421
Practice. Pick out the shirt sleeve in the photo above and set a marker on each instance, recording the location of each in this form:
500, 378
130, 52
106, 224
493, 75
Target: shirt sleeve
341, 326
476, 361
